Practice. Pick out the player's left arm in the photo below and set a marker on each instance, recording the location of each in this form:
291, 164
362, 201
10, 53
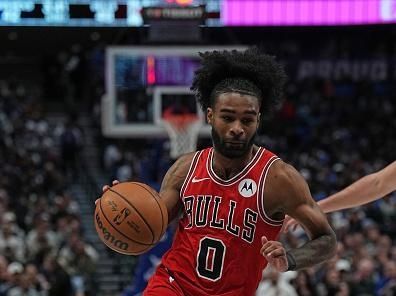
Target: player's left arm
292, 197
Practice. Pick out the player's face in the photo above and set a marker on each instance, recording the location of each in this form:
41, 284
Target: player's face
234, 119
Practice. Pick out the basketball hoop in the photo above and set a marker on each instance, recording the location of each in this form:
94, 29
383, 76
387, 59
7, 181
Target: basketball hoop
183, 130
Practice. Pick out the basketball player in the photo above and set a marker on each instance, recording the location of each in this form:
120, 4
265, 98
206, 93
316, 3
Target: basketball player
235, 195
363, 191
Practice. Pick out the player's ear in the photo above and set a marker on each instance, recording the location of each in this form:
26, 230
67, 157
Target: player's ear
258, 121
209, 115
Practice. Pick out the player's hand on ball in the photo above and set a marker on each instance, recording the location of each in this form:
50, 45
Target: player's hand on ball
274, 253
106, 187
130, 217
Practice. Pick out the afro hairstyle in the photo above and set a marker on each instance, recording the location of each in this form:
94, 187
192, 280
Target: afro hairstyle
247, 72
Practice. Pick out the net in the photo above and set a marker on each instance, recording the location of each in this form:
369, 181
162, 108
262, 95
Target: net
183, 131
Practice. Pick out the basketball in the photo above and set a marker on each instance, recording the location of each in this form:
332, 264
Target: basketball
130, 218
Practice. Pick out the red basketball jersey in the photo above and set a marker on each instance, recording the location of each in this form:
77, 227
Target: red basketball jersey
216, 250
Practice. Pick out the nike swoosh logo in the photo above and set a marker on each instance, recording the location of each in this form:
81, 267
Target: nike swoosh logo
196, 180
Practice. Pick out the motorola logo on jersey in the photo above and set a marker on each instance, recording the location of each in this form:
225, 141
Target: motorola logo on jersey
247, 187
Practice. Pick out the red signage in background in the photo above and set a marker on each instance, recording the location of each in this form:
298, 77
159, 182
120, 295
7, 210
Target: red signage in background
180, 2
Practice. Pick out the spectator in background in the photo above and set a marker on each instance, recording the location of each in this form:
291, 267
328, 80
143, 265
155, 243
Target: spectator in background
112, 155
364, 278
303, 283
124, 171
12, 244
330, 284
386, 284
4, 276
37, 279
41, 239
24, 287
71, 144
79, 260
59, 283
275, 283
382, 250
343, 289
15, 271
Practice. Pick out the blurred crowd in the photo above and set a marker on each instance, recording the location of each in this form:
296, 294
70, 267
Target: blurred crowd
42, 248
332, 131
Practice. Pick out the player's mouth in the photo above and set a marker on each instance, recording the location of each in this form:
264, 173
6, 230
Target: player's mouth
235, 144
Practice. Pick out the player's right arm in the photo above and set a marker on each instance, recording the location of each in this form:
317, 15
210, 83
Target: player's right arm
363, 191
172, 183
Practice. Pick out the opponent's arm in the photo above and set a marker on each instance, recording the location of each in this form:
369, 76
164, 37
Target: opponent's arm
172, 183
364, 190
293, 198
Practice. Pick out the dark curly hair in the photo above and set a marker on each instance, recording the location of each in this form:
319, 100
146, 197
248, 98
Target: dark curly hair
247, 72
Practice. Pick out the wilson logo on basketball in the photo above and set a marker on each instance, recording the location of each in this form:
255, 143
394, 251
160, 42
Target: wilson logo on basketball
109, 237
122, 216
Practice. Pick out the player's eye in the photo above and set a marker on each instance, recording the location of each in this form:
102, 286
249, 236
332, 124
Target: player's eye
247, 121
227, 118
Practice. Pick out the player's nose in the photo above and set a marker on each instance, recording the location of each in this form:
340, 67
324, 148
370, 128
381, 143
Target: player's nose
237, 129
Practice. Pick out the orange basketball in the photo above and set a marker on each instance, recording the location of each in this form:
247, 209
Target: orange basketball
130, 218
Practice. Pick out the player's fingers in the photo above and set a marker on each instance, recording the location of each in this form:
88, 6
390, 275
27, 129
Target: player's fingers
268, 249
106, 187
96, 201
269, 246
266, 243
280, 252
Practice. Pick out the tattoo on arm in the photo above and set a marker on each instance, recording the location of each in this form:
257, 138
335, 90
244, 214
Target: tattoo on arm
301, 206
313, 252
172, 173
172, 183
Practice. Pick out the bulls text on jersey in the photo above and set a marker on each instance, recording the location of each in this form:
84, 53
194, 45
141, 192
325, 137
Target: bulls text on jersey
203, 210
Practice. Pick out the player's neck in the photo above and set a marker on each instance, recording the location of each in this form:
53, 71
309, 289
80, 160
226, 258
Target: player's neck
227, 168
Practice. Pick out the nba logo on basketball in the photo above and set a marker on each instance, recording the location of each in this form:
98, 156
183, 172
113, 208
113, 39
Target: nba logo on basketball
247, 187
121, 216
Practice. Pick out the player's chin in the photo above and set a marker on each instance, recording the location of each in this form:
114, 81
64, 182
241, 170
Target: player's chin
234, 153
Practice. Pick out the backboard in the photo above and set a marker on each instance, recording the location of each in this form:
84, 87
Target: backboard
142, 81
